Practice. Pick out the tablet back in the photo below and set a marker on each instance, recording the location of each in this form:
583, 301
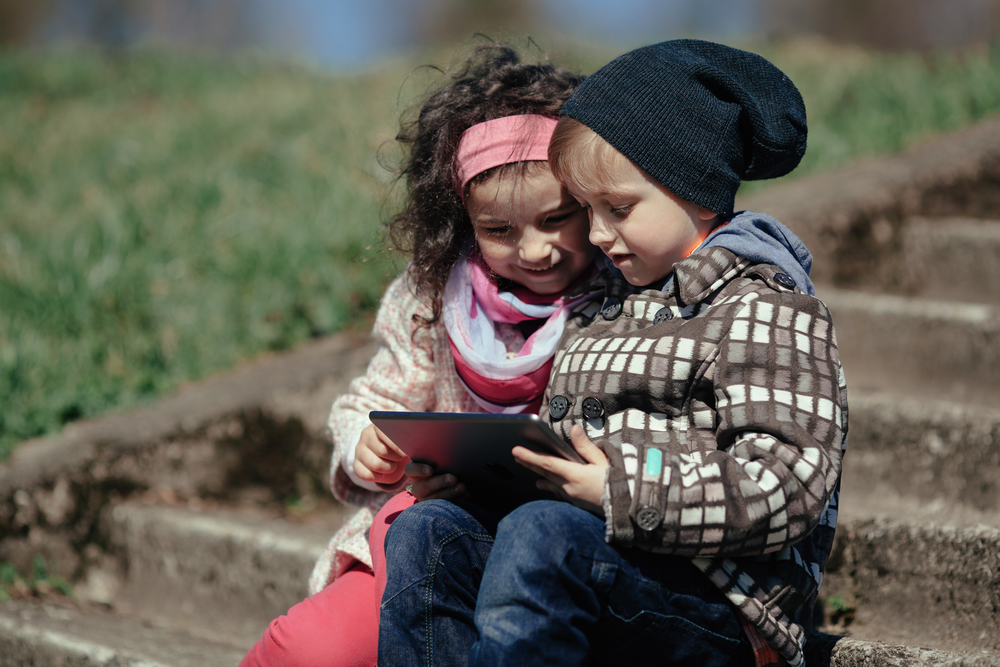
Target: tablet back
476, 449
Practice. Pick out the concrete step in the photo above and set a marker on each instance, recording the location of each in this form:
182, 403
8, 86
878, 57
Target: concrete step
918, 347
941, 456
917, 583
226, 571
48, 634
948, 259
940, 258
917, 554
824, 650
67, 635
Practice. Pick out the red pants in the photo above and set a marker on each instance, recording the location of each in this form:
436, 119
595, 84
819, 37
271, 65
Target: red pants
337, 627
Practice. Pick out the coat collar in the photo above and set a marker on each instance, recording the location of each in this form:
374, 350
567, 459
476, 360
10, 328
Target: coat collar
704, 272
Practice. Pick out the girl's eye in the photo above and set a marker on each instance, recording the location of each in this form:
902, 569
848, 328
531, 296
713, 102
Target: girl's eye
497, 232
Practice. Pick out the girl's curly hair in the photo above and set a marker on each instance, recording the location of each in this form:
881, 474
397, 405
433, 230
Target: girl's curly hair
434, 225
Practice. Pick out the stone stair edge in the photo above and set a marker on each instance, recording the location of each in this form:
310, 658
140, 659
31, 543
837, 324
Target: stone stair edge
824, 650
43, 460
868, 186
827, 209
31, 634
25, 639
959, 312
194, 406
949, 547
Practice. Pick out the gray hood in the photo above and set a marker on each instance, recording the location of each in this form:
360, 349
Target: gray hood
764, 240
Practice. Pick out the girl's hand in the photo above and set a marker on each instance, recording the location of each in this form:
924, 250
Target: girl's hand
580, 483
377, 459
428, 486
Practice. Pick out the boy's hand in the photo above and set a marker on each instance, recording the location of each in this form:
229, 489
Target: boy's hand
428, 486
579, 483
377, 459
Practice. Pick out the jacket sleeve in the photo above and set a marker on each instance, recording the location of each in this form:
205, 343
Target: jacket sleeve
401, 376
780, 424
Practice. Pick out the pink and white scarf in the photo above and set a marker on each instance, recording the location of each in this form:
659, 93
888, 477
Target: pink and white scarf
472, 305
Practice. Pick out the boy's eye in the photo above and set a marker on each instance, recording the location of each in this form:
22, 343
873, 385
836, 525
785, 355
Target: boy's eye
620, 211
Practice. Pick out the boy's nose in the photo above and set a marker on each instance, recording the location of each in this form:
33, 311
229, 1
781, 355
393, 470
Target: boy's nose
600, 233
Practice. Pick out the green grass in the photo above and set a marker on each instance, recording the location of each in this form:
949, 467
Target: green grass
163, 217
39, 584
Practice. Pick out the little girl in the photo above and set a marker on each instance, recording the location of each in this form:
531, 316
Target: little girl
498, 248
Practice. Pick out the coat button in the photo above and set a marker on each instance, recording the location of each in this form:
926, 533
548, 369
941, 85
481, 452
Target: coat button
592, 408
612, 308
647, 518
558, 407
784, 279
662, 315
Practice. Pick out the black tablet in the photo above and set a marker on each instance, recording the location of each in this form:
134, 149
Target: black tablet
476, 448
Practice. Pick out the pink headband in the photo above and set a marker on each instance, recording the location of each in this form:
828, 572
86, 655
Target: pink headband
501, 141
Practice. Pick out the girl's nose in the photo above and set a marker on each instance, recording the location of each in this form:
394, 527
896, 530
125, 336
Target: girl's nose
535, 246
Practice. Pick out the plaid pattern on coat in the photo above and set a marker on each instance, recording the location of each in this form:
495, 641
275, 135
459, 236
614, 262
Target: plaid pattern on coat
722, 408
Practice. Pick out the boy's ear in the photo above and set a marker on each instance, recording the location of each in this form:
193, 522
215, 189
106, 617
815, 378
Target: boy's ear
705, 214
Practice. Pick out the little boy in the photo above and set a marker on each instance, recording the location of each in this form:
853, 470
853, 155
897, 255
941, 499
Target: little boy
713, 401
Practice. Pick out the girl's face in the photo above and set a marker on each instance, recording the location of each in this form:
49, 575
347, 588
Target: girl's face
530, 230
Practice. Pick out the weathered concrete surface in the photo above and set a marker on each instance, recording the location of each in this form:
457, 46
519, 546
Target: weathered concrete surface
256, 434
297, 384
832, 651
33, 634
927, 452
939, 349
919, 584
851, 218
947, 259
197, 568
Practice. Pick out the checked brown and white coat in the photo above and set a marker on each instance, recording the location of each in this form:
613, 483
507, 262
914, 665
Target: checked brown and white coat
722, 408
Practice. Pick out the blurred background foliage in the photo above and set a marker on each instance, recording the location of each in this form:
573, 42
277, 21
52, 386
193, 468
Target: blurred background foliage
187, 184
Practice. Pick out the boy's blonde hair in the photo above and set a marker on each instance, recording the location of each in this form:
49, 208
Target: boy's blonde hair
582, 160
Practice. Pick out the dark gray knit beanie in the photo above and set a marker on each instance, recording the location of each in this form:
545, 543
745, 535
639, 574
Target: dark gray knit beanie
698, 117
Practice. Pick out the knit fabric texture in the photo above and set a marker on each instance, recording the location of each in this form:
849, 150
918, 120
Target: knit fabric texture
405, 374
698, 117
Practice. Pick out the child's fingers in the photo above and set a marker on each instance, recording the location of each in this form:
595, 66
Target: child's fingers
390, 451
580, 483
418, 470
377, 459
585, 447
553, 468
373, 462
437, 487
374, 441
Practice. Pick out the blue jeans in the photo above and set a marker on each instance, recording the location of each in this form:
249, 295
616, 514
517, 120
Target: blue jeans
548, 590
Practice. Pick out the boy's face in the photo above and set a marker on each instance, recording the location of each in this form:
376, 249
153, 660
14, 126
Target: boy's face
530, 230
643, 227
